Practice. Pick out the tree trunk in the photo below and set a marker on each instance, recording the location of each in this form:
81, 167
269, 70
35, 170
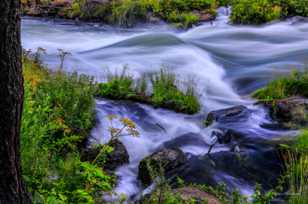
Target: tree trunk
12, 190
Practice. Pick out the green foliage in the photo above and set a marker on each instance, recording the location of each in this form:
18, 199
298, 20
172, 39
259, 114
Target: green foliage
180, 12
165, 92
254, 11
297, 8
53, 129
302, 142
294, 85
183, 20
128, 12
262, 11
224, 2
262, 198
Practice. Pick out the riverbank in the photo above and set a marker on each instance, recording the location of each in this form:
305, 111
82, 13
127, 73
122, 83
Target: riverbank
181, 14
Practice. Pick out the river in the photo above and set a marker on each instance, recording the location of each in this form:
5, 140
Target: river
225, 63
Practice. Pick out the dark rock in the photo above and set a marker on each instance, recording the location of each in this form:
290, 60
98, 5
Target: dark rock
165, 161
290, 112
227, 136
256, 162
118, 157
229, 115
192, 193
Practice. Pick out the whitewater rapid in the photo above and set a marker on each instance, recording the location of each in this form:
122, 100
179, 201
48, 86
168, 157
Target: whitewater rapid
225, 63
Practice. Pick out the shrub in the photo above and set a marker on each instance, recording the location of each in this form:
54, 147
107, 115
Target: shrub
180, 12
254, 11
262, 11
57, 117
296, 7
294, 85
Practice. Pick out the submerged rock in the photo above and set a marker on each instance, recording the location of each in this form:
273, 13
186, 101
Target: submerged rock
165, 161
290, 112
192, 193
118, 157
228, 115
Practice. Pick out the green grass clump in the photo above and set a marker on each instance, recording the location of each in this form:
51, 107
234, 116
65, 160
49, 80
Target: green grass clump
167, 95
57, 117
118, 87
123, 87
296, 162
165, 92
127, 13
294, 85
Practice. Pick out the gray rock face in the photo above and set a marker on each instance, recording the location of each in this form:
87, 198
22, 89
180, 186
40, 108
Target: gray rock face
165, 161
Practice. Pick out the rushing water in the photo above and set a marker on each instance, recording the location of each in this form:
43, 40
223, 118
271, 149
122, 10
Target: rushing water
225, 63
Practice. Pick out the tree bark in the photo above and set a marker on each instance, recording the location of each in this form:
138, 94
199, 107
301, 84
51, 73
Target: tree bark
12, 190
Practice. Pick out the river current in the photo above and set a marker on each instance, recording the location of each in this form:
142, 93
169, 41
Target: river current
225, 63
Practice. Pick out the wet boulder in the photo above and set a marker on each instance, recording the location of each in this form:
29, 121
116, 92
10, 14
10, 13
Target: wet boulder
255, 162
228, 115
118, 157
290, 112
192, 193
165, 161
